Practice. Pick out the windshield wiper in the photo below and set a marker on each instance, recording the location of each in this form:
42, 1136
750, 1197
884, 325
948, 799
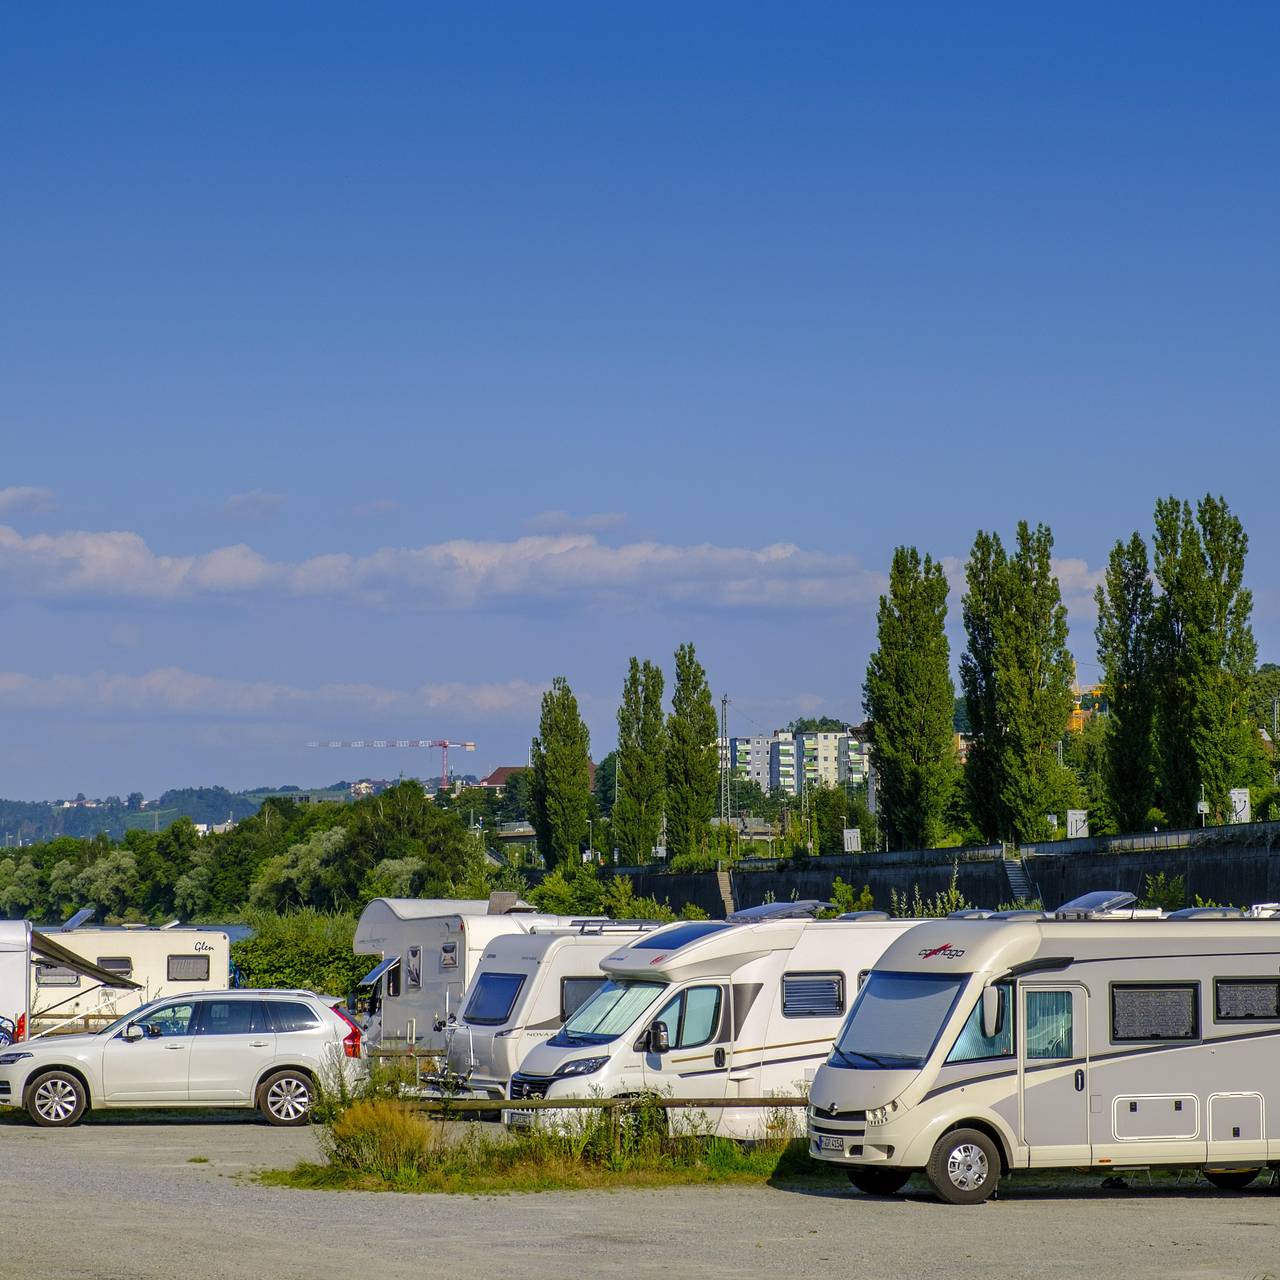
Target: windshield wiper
869, 1057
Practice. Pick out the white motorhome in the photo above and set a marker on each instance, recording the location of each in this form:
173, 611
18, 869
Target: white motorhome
711, 1008
429, 949
152, 962
980, 1047
524, 989
25, 952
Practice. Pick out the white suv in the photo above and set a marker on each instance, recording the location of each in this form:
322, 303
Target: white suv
261, 1049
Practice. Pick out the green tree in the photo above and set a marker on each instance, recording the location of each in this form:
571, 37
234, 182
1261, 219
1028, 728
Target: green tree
560, 788
1264, 698
1126, 652
637, 814
692, 759
1205, 655
911, 701
605, 788
1017, 676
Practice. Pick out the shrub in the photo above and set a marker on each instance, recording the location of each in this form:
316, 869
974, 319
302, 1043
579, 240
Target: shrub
307, 949
380, 1137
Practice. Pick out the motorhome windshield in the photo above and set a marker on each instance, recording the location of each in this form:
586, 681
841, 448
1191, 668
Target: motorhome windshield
608, 1013
896, 1020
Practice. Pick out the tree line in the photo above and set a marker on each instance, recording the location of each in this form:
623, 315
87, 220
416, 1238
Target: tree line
1183, 695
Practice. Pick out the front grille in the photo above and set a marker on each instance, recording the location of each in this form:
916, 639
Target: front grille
836, 1113
840, 1133
529, 1086
5, 1088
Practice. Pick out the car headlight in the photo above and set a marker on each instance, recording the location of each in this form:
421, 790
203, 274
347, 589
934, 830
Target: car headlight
882, 1115
8, 1059
581, 1067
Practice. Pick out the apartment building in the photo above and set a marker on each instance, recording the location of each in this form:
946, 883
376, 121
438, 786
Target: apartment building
792, 762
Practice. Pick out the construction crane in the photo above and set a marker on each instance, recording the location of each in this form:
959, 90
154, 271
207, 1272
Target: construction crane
443, 743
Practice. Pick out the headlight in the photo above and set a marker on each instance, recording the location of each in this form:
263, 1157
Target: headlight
581, 1067
8, 1059
882, 1115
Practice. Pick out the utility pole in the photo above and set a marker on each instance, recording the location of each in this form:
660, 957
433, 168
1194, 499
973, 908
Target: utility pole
725, 762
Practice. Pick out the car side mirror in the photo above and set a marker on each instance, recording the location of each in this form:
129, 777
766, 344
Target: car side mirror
659, 1039
992, 1012
132, 1032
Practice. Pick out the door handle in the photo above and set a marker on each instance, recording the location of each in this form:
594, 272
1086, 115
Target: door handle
720, 1058
1079, 1080
257, 1044
175, 1046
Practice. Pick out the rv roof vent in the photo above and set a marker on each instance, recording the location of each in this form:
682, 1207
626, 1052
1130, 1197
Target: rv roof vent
1101, 902
1020, 913
82, 916
804, 909
970, 913
864, 915
1207, 913
1264, 910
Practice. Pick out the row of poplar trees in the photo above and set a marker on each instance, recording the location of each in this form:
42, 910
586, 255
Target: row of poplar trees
667, 766
1176, 650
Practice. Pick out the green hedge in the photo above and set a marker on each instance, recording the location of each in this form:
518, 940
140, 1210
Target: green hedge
307, 949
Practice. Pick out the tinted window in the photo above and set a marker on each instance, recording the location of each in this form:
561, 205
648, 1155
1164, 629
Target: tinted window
188, 968
1155, 1012
171, 1019
678, 935
493, 998
289, 1015
812, 995
575, 992
121, 966
52, 975
1241, 999
231, 1017
972, 1046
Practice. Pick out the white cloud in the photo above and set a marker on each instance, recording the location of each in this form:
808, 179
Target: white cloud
377, 507
460, 573
563, 522
25, 497
257, 504
175, 691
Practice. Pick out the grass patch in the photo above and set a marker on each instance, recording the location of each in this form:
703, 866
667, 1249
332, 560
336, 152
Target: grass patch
197, 1159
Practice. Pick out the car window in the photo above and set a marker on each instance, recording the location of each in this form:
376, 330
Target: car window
232, 1017
172, 1019
292, 1015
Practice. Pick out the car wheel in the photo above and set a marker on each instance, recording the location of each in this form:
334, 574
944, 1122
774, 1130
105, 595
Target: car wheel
879, 1182
285, 1098
1231, 1179
964, 1167
56, 1099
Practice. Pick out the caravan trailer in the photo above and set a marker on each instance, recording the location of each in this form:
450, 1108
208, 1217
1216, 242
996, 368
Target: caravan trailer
25, 952
1090, 1040
524, 989
711, 1008
144, 962
429, 949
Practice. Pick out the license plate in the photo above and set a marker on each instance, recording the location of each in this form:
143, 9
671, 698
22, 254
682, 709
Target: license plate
518, 1119
827, 1143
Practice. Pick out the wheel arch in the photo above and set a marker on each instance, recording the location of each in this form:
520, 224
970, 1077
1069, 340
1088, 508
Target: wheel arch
267, 1072
989, 1130
68, 1069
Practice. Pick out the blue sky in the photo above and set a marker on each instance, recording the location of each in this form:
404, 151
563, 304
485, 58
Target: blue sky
363, 368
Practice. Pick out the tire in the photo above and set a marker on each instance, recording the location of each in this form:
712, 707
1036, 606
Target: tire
285, 1098
1231, 1179
879, 1182
56, 1099
964, 1167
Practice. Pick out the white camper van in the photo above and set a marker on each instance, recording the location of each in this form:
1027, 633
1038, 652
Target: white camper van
711, 1009
25, 952
524, 989
429, 949
173, 960
978, 1047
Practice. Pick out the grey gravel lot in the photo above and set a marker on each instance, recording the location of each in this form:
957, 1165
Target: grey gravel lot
119, 1197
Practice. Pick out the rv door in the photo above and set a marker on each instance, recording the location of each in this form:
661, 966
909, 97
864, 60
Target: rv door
1054, 1071
699, 1050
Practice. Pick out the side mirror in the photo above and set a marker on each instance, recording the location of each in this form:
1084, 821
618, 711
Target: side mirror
132, 1032
992, 1012
659, 1039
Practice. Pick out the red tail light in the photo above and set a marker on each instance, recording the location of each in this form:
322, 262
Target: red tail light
351, 1041
20, 1028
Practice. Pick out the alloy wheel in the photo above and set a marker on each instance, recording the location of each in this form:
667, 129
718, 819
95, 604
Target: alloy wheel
289, 1098
56, 1100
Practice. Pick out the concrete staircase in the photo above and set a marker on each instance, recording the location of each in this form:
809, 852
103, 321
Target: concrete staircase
1020, 884
725, 884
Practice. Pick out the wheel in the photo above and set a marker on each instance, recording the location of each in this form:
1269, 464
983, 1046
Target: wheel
1231, 1179
964, 1167
56, 1099
285, 1098
879, 1182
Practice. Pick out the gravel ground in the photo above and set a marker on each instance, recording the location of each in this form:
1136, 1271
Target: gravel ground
118, 1198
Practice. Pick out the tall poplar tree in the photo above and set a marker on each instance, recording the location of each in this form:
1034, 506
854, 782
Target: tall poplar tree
641, 763
1126, 638
1017, 677
1205, 655
560, 790
692, 759
910, 699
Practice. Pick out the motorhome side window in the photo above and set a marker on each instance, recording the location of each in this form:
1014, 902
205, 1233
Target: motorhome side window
1246, 999
413, 969
392, 979
1152, 1011
972, 1046
188, 969
51, 975
575, 992
121, 966
692, 1017
812, 995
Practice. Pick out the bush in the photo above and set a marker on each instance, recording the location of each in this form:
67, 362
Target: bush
380, 1137
307, 949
